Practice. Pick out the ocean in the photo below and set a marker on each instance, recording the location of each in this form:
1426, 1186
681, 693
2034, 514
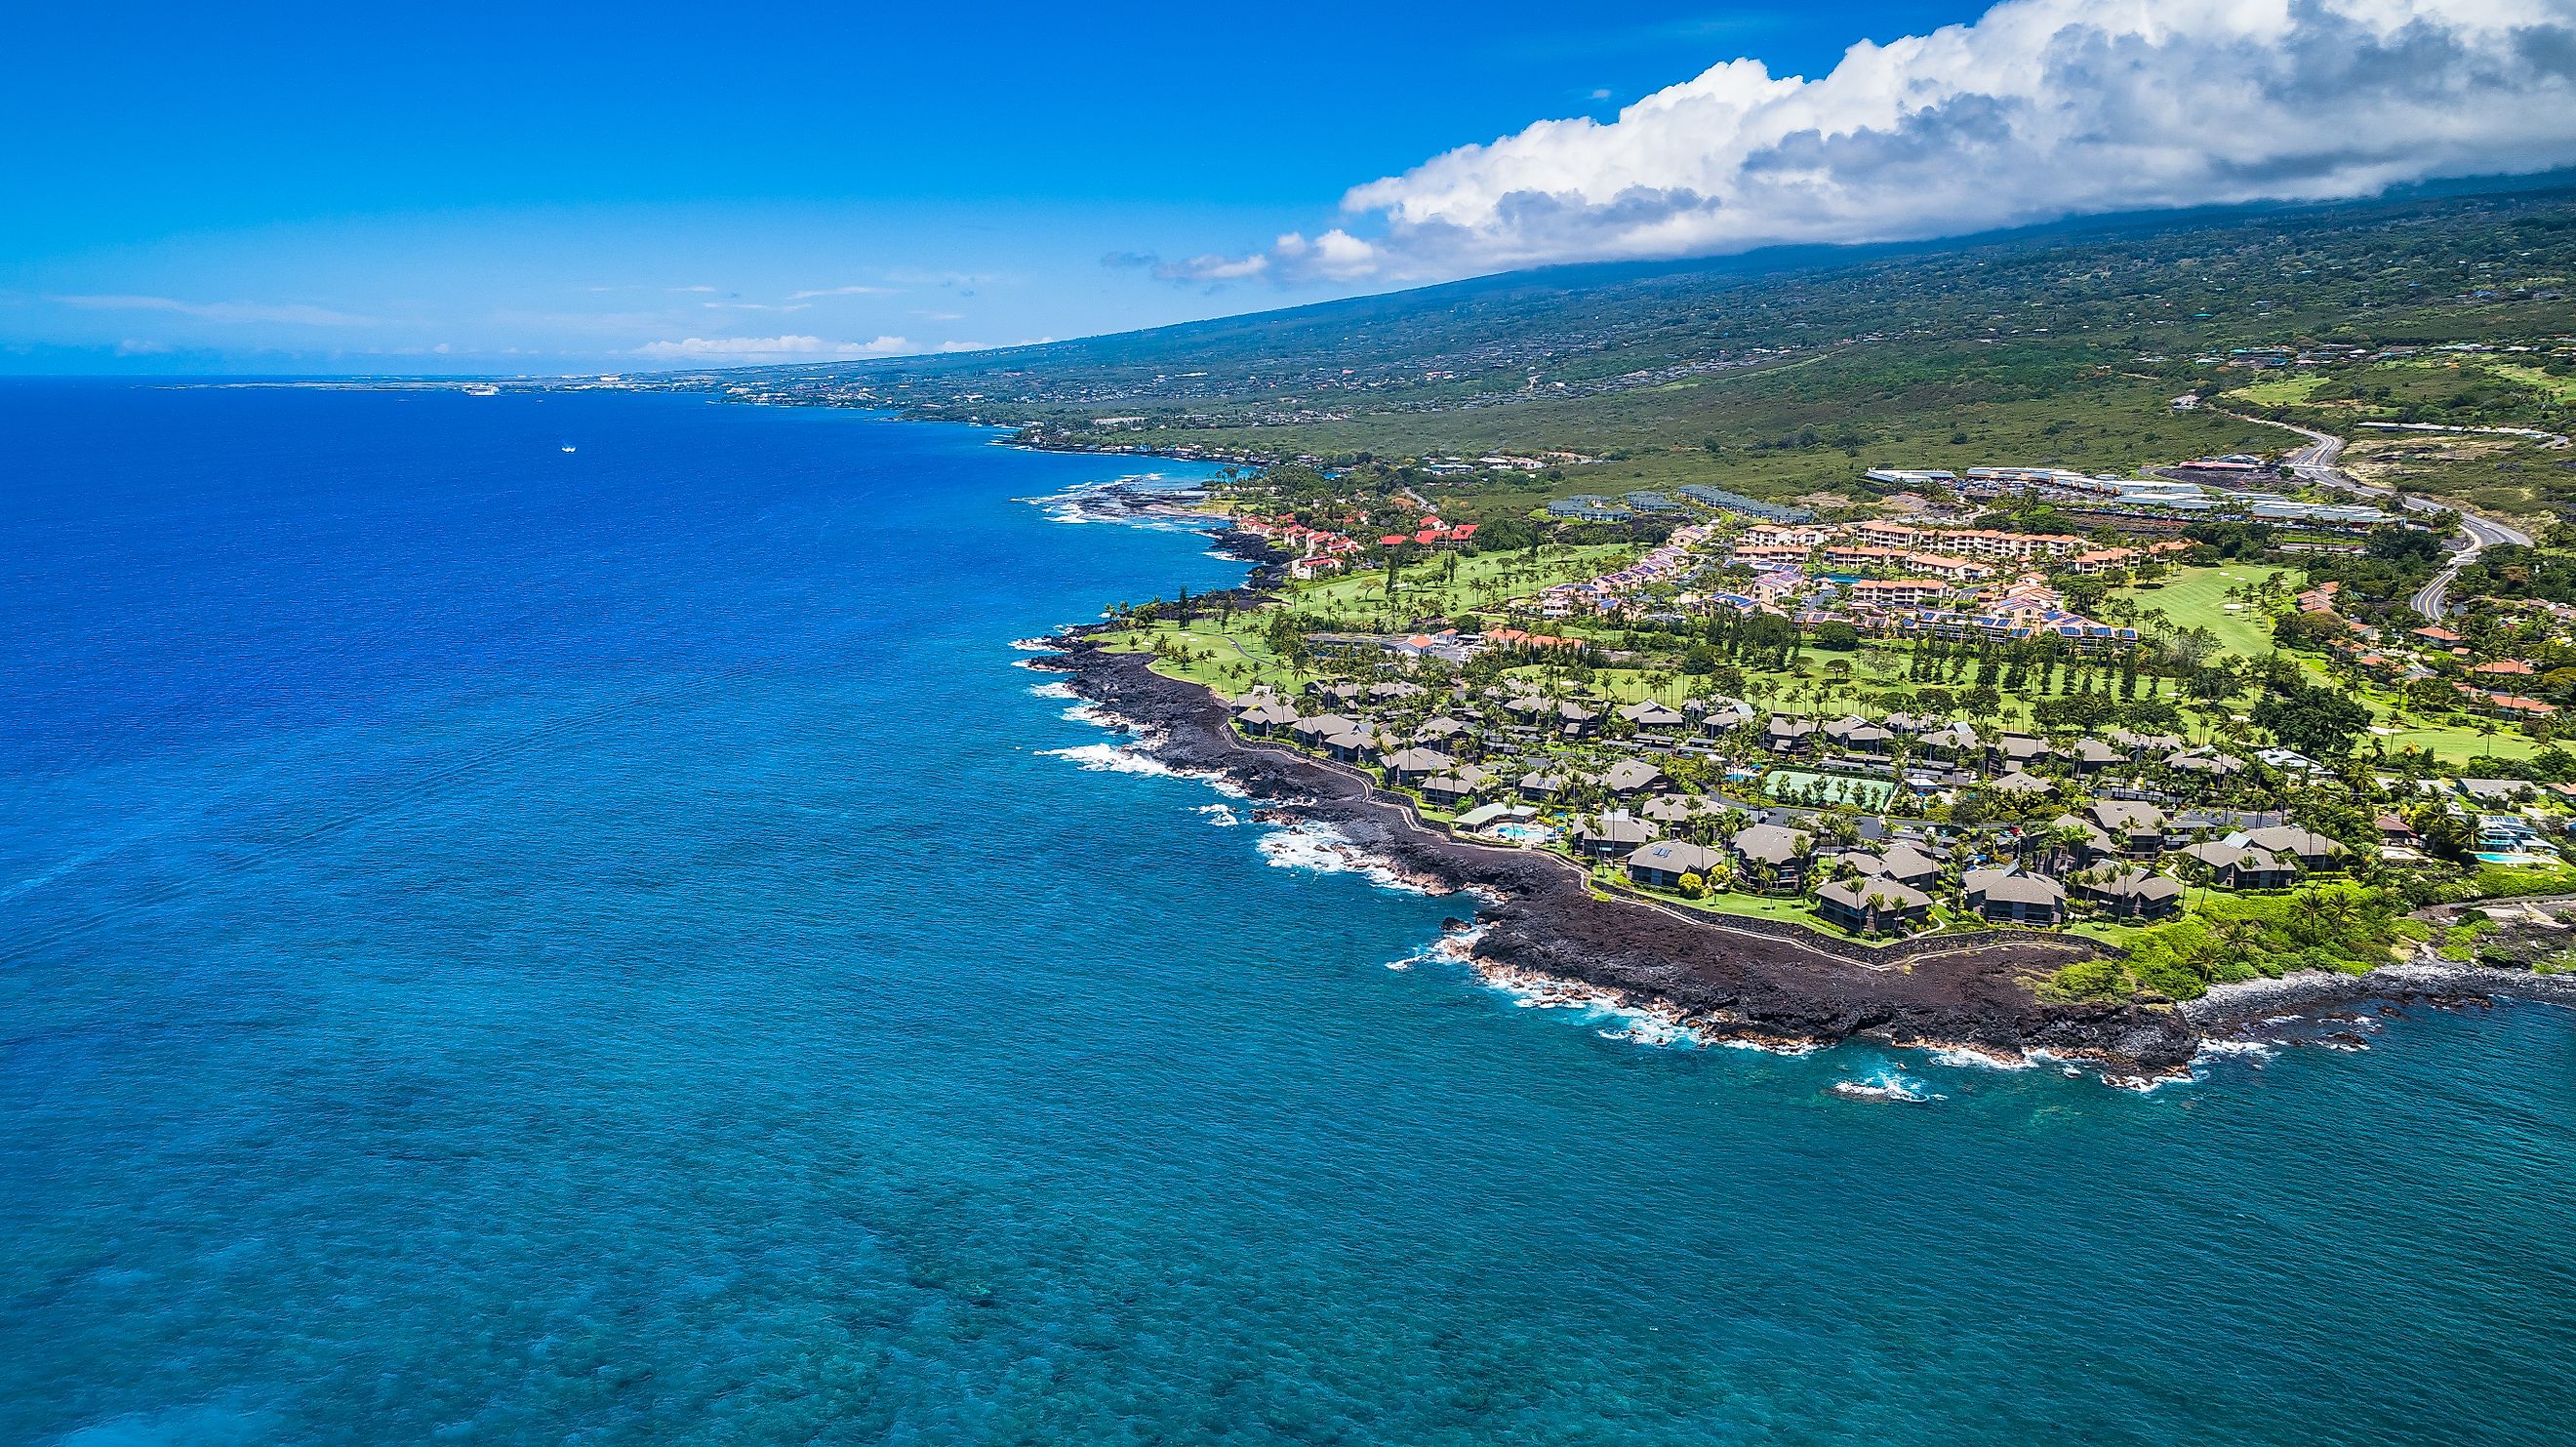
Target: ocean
556, 918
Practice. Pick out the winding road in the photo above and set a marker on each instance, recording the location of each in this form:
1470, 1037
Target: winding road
2316, 463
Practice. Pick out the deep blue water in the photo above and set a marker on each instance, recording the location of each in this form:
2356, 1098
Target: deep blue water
507, 945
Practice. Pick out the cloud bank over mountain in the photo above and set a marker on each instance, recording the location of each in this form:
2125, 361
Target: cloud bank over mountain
2040, 109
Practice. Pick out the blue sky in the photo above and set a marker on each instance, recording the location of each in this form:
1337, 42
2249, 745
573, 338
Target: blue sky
339, 188
349, 187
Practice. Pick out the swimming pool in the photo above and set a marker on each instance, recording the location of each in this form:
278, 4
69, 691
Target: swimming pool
1523, 833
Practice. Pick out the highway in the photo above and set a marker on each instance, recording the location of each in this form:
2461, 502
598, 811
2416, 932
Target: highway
2316, 463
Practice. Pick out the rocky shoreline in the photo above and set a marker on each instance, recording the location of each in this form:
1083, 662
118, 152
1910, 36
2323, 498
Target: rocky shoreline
1539, 929
1537, 919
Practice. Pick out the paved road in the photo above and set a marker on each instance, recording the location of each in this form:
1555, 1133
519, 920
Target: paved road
2317, 463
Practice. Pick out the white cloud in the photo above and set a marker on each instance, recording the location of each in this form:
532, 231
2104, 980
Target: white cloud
840, 291
772, 349
2039, 109
296, 313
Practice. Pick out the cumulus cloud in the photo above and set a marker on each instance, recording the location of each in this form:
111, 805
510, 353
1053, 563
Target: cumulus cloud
2040, 109
771, 349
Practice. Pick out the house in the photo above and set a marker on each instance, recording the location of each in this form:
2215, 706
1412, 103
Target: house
2395, 832
1265, 718
1613, 834
1351, 746
2239, 867
2006, 896
2496, 791
1654, 714
2020, 751
1538, 786
2205, 762
2311, 849
1958, 741
1671, 809
1786, 735
1438, 729
1663, 863
1772, 858
2092, 756
2093, 843
1859, 735
1630, 777
1455, 790
2138, 746
1574, 720
1873, 906
1721, 715
1313, 730
1409, 766
2138, 828
1906, 865
2129, 892
2021, 786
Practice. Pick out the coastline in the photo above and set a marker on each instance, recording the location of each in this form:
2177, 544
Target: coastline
1540, 931
1537, 925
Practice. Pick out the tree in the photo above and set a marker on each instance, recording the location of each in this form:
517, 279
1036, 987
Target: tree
2316, 720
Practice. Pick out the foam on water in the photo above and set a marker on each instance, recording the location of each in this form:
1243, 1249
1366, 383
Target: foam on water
1112, 759
1218, 814
1323, 849
1886, 1083
1058, 689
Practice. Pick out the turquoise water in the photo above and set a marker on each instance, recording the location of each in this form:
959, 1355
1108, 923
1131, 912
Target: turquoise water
505, 945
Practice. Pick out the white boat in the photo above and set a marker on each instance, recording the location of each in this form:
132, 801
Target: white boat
567, 447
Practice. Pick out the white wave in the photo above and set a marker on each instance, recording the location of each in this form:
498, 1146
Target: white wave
1964, 1057
1058, 689
1095, 715
1037, 645
1790, 1048
1885, 1083
1322, 849
1219, 815
1111, 759
2238, 1047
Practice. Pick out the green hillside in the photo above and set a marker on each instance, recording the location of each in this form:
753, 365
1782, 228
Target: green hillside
1787, 373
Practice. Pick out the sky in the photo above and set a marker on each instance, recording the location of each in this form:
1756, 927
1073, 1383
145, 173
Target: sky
584, 188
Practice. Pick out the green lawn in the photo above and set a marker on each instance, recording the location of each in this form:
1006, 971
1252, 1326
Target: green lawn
1481, 584
2197, 597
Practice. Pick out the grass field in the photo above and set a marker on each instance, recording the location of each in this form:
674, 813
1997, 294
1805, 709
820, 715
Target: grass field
1481, 584
2197, 597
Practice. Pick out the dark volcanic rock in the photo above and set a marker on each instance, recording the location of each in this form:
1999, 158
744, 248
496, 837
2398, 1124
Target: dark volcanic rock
1540, 917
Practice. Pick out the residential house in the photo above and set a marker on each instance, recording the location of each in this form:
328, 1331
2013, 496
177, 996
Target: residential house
1411, 766
1630, 777
1770, 858
2020, 751
1663, 863
1787, 735
1266, 718
2006, 896
2240, 867
1873, 906
1655, 715
2137, 828
1457, 789
2311, 849
1613, 834
2092, 756
2129, 892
